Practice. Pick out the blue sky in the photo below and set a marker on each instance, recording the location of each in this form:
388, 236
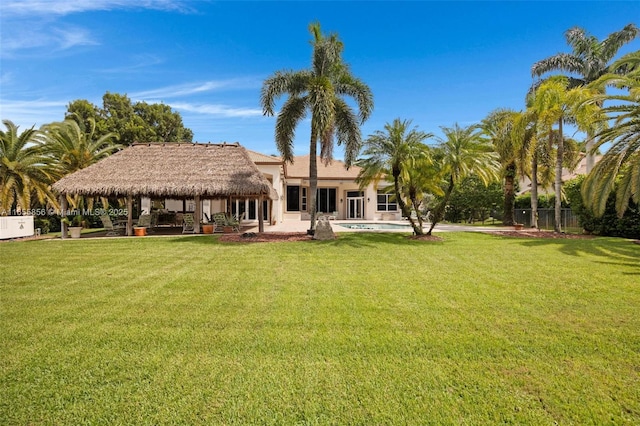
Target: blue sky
436, 63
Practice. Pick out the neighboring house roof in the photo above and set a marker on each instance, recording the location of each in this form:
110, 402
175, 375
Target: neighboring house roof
334, 170
170, 170
259, 158
581, 169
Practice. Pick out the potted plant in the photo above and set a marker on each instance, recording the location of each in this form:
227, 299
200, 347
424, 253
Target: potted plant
139, 231
74, 225
208, 228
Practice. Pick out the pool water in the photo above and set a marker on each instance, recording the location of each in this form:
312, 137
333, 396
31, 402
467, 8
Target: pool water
375, 226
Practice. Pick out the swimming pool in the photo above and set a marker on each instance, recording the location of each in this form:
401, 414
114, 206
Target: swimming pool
396, 226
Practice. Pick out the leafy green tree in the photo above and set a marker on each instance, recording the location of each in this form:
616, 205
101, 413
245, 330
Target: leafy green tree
473, 200
400, 155
589, 60
131, 122
620, 165
555, 103
24, 170
461, 153
319, 91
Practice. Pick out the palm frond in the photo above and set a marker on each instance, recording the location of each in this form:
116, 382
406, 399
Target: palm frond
293, 110
616, 40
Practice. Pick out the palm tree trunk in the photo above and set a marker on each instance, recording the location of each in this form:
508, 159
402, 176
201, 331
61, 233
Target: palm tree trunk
438, 214
509, 195
313, 180
403, 206
558, 181
417, 227
534, 192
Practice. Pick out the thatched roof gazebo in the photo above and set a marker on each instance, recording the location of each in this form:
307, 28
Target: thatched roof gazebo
171, 170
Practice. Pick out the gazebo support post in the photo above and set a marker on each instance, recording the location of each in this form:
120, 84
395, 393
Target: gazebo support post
260, 215
198, 214
63, 214
129, 215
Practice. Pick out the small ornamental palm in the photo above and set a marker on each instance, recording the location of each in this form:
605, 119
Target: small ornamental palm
461, 153
399, 155
71, 148
319, 91
24, 170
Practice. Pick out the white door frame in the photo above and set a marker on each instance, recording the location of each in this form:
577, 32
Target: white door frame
352, 204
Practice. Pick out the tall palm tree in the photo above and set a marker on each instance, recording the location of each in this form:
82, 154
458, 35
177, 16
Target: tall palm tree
463, 152
24, 170
621, 163
536, 154
590, 59
512, 148
556, 103
396, 153
319, 91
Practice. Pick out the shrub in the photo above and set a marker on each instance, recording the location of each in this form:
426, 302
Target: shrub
609, 223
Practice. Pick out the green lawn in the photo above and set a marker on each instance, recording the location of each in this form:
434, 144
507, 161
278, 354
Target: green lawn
368, 329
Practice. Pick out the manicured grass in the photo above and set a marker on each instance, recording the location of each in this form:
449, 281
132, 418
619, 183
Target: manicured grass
368, 329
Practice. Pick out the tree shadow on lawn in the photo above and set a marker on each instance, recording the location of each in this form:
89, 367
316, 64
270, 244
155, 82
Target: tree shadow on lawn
616, 251
355, 239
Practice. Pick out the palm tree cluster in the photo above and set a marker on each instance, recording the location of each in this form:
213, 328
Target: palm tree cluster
506, 145
34, 159
416, 169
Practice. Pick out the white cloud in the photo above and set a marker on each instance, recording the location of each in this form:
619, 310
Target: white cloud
66, 7
29, 113
139, 62
37, 37
35, 24
196, 88
218, 110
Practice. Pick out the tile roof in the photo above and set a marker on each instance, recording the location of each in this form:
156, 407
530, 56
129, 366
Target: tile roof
259, 158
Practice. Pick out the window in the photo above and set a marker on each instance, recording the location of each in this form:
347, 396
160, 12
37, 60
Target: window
293, 198
252, 210
386, 202
326, 200
303, 200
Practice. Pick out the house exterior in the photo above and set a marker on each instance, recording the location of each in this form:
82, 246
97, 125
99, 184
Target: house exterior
339, 196
338, 193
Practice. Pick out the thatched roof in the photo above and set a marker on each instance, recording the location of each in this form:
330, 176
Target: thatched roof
175, 170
